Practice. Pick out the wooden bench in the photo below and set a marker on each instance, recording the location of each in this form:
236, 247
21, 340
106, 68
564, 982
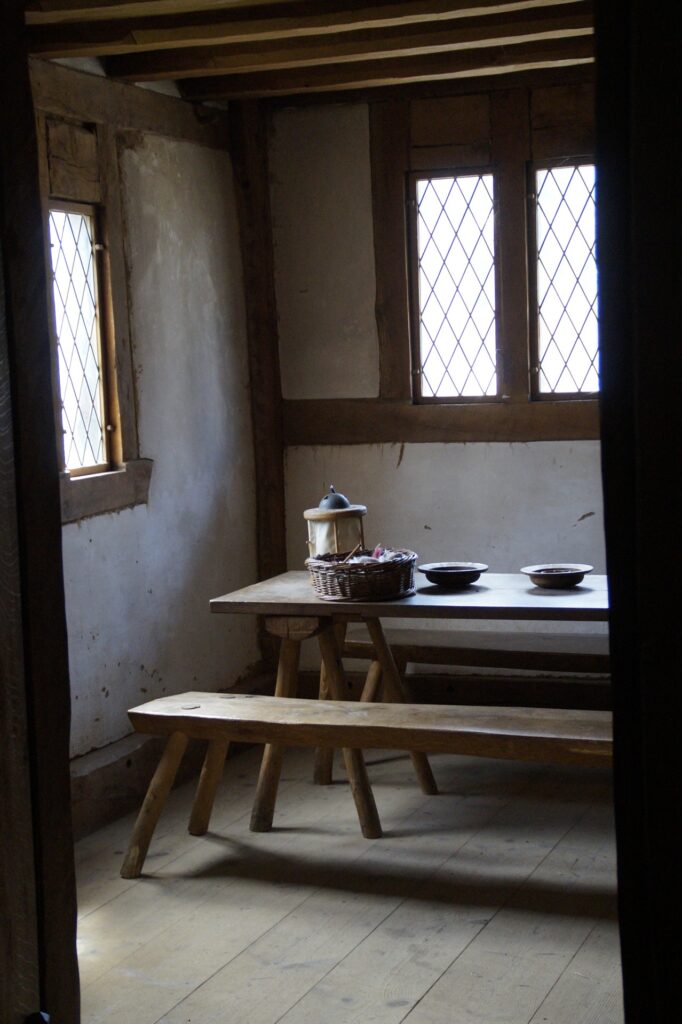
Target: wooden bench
550, 652
535, 734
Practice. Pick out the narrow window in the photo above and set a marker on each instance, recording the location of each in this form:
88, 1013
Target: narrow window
567, 343
455, 327
79, 345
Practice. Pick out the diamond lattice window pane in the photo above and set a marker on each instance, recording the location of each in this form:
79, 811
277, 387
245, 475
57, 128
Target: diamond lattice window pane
75, 307
456, 246
567, 280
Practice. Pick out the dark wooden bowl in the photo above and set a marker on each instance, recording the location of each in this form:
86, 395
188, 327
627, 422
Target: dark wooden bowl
452, 574
557, 576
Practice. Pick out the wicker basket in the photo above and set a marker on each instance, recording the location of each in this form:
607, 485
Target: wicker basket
371, 581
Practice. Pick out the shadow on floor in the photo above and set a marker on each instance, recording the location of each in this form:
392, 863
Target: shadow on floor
464, 886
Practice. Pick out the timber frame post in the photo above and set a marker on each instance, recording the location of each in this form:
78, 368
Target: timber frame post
249, 152
39, 968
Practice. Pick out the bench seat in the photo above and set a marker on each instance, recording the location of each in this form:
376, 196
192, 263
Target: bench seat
536, 734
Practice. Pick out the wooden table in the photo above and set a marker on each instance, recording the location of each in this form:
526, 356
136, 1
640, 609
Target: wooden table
293, 613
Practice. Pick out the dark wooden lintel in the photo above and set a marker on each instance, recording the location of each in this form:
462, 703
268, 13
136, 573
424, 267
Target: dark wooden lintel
372, 421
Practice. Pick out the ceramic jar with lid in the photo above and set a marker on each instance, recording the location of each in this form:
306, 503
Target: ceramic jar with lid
335, 526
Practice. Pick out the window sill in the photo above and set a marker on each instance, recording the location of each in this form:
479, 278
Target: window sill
94, 495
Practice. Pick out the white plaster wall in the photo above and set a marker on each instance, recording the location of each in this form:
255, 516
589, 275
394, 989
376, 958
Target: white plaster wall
324, 252
507, 505
138, 582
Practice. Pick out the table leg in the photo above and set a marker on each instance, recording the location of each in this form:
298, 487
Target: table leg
395, 691
354, 761
271, 765
372, 687
324, 756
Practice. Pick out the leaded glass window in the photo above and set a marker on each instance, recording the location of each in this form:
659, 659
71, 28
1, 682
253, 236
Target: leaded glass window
74, 276
455, 235
568, 354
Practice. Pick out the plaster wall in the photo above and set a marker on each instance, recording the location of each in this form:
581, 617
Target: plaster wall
504, 504
138, 582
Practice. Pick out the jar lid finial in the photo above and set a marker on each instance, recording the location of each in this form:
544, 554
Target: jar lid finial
334, 500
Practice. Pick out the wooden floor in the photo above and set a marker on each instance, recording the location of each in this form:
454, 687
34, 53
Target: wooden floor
492, 903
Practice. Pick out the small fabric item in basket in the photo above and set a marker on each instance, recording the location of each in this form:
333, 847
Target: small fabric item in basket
378, 555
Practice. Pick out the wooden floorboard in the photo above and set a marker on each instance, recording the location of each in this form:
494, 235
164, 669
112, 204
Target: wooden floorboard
511, 966
491, 902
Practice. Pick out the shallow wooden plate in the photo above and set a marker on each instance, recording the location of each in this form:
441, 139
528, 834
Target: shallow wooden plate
557, 575
452, 574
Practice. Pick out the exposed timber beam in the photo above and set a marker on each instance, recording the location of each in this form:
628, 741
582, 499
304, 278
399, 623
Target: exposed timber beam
56, 12
564, 21
394, 71
373, 421
256, 24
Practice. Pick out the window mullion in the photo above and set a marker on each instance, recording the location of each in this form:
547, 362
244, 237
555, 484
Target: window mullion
510, 135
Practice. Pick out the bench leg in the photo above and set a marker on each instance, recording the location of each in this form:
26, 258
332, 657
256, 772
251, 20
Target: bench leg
271, 765
354, 761
324, 756
152, 805
211, 774
395, 691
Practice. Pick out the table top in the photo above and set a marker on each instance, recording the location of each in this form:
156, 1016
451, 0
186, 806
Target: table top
493, 596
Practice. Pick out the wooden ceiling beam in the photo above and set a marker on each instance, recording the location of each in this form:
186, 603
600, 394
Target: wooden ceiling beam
394, 71
58, 12
256, 24
572, 19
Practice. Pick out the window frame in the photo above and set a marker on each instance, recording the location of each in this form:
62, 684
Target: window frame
413, 284
124, 481
506, 348
536, 395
